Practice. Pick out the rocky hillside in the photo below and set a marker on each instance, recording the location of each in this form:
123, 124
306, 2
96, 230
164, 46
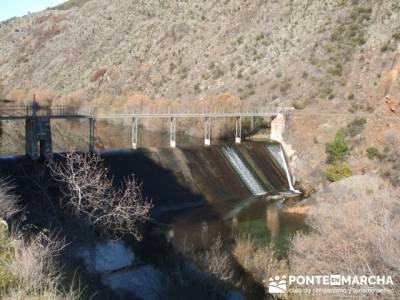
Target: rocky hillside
338, 54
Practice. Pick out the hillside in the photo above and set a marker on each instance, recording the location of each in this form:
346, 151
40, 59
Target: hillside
332, 54
318, 56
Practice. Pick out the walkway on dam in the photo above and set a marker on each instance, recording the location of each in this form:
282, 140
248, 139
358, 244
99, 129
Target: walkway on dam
37, 118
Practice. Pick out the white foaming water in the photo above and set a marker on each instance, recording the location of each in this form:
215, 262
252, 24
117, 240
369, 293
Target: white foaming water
244, 173
277, 152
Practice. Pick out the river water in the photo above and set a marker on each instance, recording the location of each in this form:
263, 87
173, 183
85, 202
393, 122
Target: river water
264, 220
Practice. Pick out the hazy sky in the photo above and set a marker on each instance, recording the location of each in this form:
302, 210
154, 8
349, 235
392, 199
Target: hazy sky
13, 8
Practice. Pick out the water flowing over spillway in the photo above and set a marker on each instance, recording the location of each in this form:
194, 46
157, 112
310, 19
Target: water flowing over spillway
243, 171
277, 152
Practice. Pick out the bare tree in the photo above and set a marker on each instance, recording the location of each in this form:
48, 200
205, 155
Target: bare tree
91, 194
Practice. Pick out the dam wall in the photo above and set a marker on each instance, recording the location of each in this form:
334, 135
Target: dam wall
183, 177
176, 178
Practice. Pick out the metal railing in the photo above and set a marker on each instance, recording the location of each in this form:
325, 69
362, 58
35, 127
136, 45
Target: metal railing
179, 112
13, 111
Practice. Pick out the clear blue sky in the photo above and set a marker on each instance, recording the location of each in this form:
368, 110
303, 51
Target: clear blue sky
13, 8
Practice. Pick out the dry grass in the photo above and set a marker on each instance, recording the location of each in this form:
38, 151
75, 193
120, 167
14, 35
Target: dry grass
356, 227
297, 209
260, 261
9, 202
217, 261
28, 268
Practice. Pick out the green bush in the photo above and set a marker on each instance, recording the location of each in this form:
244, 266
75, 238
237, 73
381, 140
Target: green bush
338, 171
300, 103
338, 149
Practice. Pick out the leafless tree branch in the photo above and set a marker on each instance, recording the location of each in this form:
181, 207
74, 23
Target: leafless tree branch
91, 194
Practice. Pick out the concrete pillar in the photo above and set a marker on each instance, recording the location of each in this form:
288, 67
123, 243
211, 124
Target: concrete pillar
278, 125
238, 135
135, 129
172, 136
207, 132
38, 140
31, 144
279, 131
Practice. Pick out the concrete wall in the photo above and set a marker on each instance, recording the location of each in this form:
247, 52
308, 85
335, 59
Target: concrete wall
179, 177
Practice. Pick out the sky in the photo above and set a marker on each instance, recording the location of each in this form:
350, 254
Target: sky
14, 8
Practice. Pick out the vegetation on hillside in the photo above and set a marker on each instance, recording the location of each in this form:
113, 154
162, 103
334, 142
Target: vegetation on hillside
337, 152
355, 232
28, 264
275, 53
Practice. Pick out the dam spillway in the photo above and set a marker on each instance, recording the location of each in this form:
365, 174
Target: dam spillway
277, 152
182, 177
176, 178
243, 171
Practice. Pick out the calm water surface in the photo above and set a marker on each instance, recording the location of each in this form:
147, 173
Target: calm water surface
265, 221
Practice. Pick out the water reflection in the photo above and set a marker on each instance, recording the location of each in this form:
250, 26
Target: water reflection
272, 220
264, 221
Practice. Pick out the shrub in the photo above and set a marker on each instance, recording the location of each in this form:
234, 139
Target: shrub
337, 171
217, 262
385, 47
337, 70
355, 231
300, 104
338, 149
28, 269
356, 126
373, 153
260, 261
285, 87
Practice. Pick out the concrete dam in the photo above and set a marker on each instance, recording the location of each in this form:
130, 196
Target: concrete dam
176, 178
